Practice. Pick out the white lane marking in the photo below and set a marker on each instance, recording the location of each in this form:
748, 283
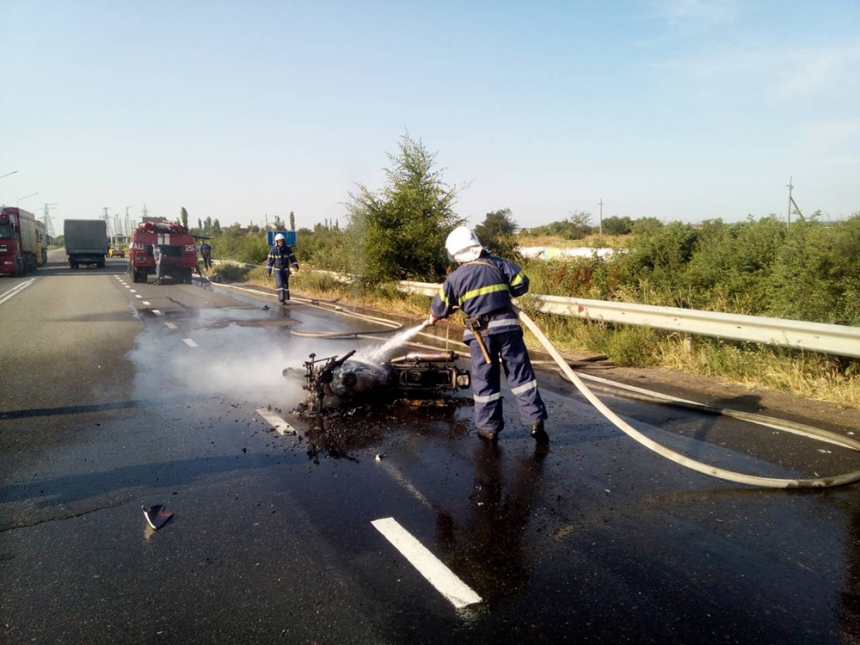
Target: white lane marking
132, 290
147, 302
158, 313
428, 565
170, 325
137, 296
190, 342
276, 422
14, 291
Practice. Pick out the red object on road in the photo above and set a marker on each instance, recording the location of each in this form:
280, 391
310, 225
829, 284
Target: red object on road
156, 516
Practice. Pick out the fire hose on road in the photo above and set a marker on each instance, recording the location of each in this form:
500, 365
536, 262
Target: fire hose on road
713, 471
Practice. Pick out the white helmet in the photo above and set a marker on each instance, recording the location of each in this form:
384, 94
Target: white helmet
463, 245
280, 236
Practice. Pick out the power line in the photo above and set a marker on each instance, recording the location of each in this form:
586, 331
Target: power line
46, 220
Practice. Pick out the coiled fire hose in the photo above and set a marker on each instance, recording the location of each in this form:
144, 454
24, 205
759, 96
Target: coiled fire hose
713, 471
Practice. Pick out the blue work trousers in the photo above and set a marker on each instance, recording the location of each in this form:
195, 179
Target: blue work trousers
282, 284
507, 352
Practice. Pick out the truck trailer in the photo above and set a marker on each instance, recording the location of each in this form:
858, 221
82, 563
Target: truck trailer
19, 246
86, 242
42, 240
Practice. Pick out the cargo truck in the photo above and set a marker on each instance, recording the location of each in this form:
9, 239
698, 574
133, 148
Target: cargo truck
178, 248
86, 242
19, 247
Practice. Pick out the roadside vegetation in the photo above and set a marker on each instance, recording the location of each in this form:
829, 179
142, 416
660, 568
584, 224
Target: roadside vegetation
809, 271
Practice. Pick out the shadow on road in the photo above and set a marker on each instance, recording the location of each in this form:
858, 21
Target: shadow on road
489, 548
85, 409
66, 490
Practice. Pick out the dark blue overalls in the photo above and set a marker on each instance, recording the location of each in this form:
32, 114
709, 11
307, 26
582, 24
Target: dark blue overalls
483, 289
281, 258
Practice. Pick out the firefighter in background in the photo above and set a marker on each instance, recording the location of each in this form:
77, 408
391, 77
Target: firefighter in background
206, 254
158, 256
482, 286
281, 259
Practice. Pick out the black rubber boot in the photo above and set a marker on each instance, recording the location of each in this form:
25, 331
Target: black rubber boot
488, 435
539, 434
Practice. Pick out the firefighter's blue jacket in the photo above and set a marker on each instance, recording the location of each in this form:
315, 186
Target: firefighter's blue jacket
281, 258
483, 287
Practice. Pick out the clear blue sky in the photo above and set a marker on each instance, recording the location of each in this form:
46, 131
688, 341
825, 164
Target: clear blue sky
676, 109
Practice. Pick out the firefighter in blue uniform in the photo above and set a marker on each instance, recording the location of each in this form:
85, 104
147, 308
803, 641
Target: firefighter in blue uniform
482, 286
281, 259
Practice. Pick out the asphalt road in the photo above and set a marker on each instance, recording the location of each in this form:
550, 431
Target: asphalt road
117, 395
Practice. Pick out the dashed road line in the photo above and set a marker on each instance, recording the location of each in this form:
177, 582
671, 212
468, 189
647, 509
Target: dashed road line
170, 325
190, 342
428, 565
146, 302
281, 426
158, 313
138, 296
133, 291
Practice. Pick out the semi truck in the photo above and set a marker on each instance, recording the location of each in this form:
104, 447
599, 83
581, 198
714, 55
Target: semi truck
19, 246
178, 251
86, 242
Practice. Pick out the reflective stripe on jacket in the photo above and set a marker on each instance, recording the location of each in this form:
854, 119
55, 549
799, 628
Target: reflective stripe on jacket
281, 257
484, 286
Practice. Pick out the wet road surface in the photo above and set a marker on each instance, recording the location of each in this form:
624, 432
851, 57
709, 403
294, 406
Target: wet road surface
594, 540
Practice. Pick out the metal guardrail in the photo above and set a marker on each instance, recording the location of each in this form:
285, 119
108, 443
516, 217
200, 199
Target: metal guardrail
839, 340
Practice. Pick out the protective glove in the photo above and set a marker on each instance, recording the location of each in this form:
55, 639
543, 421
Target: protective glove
432, 320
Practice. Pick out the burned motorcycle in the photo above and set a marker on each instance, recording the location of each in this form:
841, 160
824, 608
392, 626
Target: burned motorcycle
338, 382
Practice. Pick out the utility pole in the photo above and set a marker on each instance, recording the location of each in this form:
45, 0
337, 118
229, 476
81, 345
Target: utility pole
145, 211
127, 222
106, 218
791, 202
600, 203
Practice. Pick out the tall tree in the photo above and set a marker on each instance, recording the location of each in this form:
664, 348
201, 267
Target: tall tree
199, 223
292, 221
403, 225
183, 217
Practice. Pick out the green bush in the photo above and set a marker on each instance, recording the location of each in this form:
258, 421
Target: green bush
231, 272
810, 271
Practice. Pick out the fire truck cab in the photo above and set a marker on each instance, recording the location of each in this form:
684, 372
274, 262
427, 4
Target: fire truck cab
179, 254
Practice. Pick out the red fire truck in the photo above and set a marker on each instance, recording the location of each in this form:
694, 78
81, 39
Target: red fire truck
19, 246
179, 255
